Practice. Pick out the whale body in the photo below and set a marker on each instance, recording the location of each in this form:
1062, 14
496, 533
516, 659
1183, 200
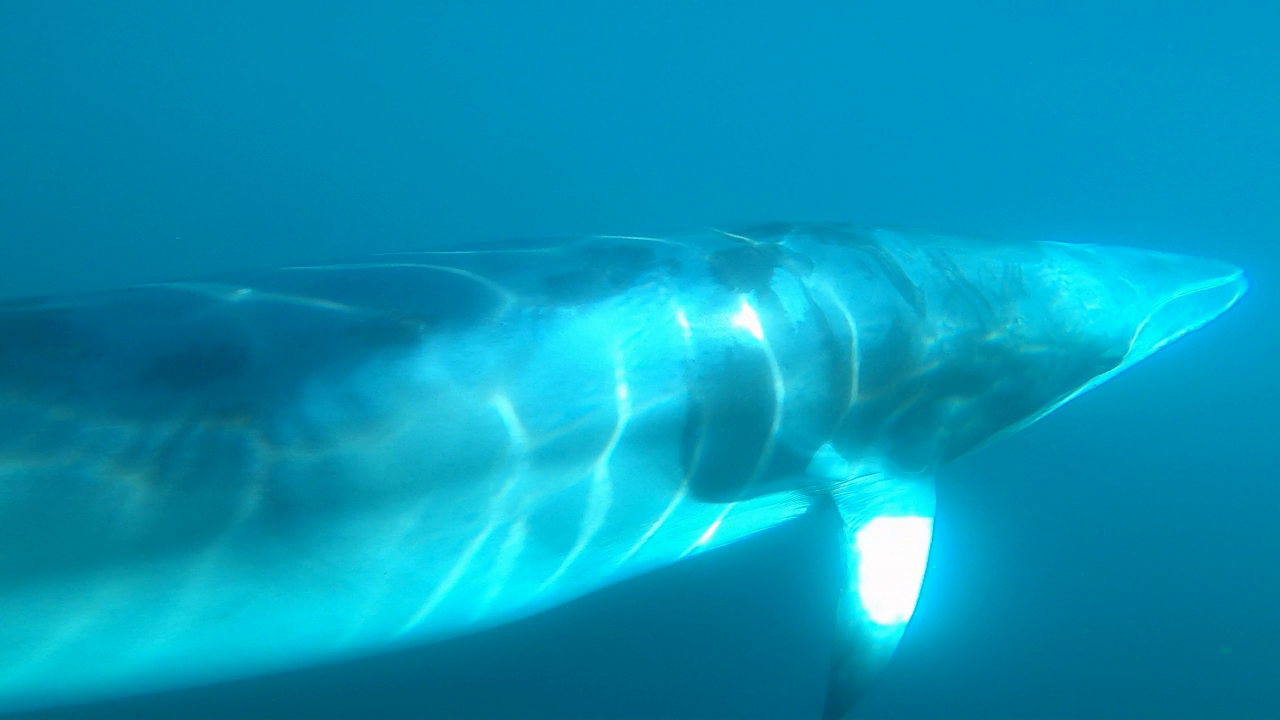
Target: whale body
215, 478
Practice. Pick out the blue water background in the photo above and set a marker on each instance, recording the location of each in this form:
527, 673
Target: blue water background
1119, 559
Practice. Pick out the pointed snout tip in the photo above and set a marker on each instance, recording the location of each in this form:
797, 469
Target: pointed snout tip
1185, 275
1241, 281
1221, 276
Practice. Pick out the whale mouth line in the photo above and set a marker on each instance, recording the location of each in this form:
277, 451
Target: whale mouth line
1190, 318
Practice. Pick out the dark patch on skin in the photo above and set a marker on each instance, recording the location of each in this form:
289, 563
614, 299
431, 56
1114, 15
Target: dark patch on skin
729, 449
577, 286
40, 353
994, 388
745, 268
797, 264
397, 328
784, 463
897, 277
983, 311
839, 359
749, 268
1013, 283
38, 327
605, 270
1012, 388
196, 367
881, 376
731, 415
157, 354
728, 424
850, 236
693, 436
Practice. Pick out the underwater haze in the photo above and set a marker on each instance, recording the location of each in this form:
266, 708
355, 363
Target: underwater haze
1117, 559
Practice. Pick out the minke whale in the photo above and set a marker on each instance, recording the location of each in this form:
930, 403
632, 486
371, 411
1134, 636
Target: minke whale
215, 478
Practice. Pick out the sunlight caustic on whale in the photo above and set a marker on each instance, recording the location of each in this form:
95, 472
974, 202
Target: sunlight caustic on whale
214, 479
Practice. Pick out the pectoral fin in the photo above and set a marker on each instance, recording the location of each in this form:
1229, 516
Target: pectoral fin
887, 527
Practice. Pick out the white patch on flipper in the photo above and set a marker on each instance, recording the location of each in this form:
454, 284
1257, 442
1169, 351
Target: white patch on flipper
892, 553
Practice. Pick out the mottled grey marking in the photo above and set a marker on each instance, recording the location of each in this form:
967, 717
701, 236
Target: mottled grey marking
749, 268
602, 270
852, 236
966, 292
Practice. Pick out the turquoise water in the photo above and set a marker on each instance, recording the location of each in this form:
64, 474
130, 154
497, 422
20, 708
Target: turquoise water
1115, 560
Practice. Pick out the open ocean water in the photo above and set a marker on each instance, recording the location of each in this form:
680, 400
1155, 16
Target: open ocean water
1117, 560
